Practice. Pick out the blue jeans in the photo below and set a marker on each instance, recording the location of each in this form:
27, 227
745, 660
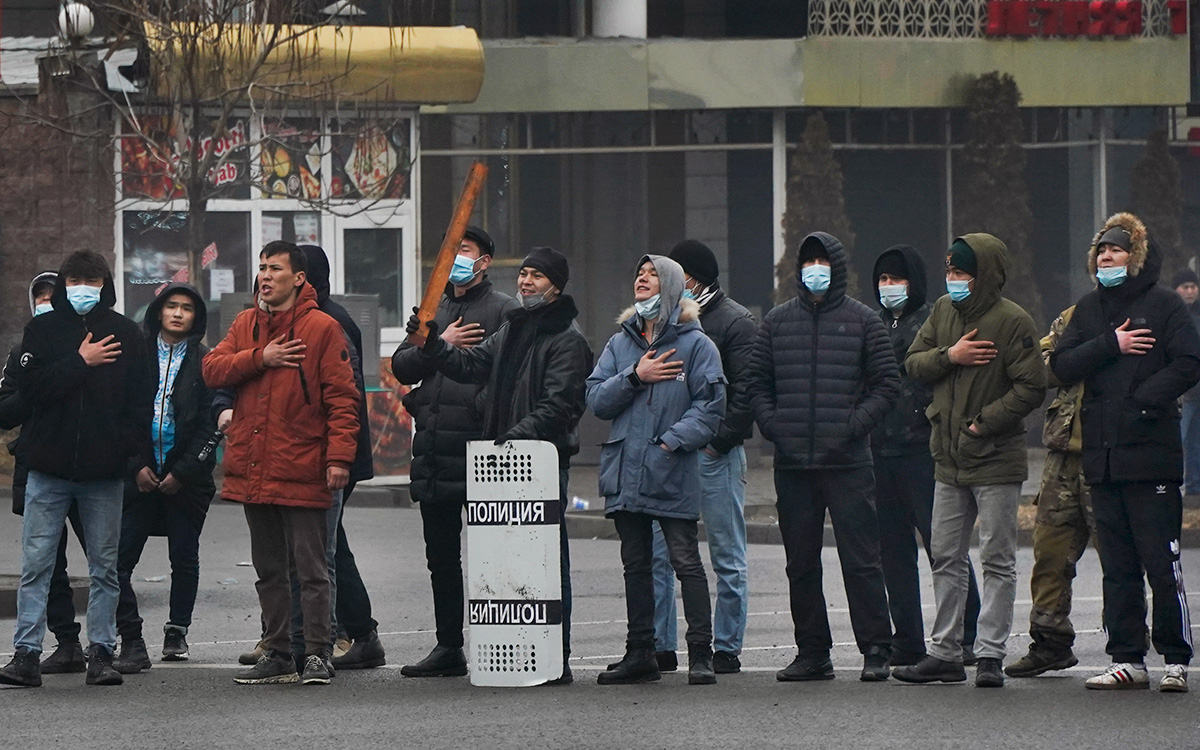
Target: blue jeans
47, 501
1190, 427
722, 501
332, 517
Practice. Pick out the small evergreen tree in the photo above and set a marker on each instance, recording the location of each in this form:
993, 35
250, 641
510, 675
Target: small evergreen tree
990, 194
814, 203
1157, 199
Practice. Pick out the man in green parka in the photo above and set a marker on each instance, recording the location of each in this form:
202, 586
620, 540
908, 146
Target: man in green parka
979, 352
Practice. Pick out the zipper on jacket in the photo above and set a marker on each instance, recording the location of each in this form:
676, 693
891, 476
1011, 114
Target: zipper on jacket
812, 392
163, 401
79, 421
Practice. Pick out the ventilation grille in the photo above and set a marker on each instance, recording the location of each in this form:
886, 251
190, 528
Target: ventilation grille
505, 657
509, 468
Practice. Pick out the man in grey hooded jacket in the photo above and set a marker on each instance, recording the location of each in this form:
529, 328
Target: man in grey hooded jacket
660, 382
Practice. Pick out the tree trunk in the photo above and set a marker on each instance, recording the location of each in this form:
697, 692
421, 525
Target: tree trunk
197, 211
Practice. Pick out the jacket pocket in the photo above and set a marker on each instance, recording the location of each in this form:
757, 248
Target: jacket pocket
662, 474
1140, 426
611, 453
975, 450
936, 449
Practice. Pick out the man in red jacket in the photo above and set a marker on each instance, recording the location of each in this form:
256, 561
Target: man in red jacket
288, 452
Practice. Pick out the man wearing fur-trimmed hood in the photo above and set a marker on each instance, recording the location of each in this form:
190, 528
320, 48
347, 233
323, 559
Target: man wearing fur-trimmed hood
660, 382
1133, 345
824, 377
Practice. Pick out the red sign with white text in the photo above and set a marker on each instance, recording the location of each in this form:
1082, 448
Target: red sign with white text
1075, 18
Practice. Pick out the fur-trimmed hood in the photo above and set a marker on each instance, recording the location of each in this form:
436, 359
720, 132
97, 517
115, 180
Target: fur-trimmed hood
689, 310
1139, 243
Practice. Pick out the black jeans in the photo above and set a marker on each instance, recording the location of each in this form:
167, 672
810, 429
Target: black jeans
60, 603
904, 502
181, 518
442, 526
637, 556
1137, 529
849, 494
353, 601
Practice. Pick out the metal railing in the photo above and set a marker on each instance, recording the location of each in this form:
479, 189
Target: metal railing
932, 19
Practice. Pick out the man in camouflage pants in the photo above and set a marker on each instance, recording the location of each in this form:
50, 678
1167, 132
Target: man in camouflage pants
1060, 533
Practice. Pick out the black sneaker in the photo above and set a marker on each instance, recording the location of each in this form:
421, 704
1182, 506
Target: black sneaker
273, 668
133, 657
317, 670
100, 669
364, 653
726, 662
969, 657
875, 667
443, 661
988, 673
175, 647
67, 658
931, 669
1039, 661
23, 670
806, 669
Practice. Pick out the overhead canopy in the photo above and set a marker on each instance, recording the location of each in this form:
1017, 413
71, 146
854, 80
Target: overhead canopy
327, 63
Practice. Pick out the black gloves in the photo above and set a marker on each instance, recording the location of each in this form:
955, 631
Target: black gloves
502, 439
414, 323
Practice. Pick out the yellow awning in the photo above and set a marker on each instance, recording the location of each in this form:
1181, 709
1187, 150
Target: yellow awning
324, 64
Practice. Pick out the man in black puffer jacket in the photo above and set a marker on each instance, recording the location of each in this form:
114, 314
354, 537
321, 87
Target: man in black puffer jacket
824, 377
903, 464
1133, 345
448, 414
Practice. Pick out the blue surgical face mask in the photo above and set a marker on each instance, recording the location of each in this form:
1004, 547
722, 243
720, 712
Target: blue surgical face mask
42, 308
83, 297
1113, 276
688, 294
816, 278
958, 290
893, 296
649, 308
463, 271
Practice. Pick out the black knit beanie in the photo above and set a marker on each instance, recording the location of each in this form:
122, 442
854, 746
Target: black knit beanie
550, 262
893, 263
810, 249
1186, 276
697, 260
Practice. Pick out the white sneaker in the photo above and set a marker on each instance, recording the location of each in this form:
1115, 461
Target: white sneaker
1121, 677
1175, 680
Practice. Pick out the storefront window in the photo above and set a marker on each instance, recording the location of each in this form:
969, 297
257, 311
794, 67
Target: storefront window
300, 227
290, 157
151, 168
373, 259
371, 160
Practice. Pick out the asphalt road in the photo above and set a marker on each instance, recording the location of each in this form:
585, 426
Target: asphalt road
197, 705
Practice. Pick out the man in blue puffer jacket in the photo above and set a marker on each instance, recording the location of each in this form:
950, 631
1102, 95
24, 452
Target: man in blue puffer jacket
660, 382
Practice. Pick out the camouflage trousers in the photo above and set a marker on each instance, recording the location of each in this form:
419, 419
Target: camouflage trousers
1060, 535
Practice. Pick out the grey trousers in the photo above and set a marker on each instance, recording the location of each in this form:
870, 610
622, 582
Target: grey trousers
954, 512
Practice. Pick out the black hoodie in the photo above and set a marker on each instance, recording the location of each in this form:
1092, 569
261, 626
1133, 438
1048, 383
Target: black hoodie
1130, 410
905, 428
318, 276
191, 399
86, 422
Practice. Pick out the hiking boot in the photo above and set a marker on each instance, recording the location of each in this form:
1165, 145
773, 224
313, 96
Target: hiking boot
1120, 676
566, 678
905, 658
875, 667
100, 669
988, 673
364, 653
806, 669
668, 661
700, 666
253, 655
969, 657
639, 665
23, 670
726, 662
443, 661
931, 669
175, 646
67, 658
1175, 680
272, 668
133, 657
317, 669
1039, 661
